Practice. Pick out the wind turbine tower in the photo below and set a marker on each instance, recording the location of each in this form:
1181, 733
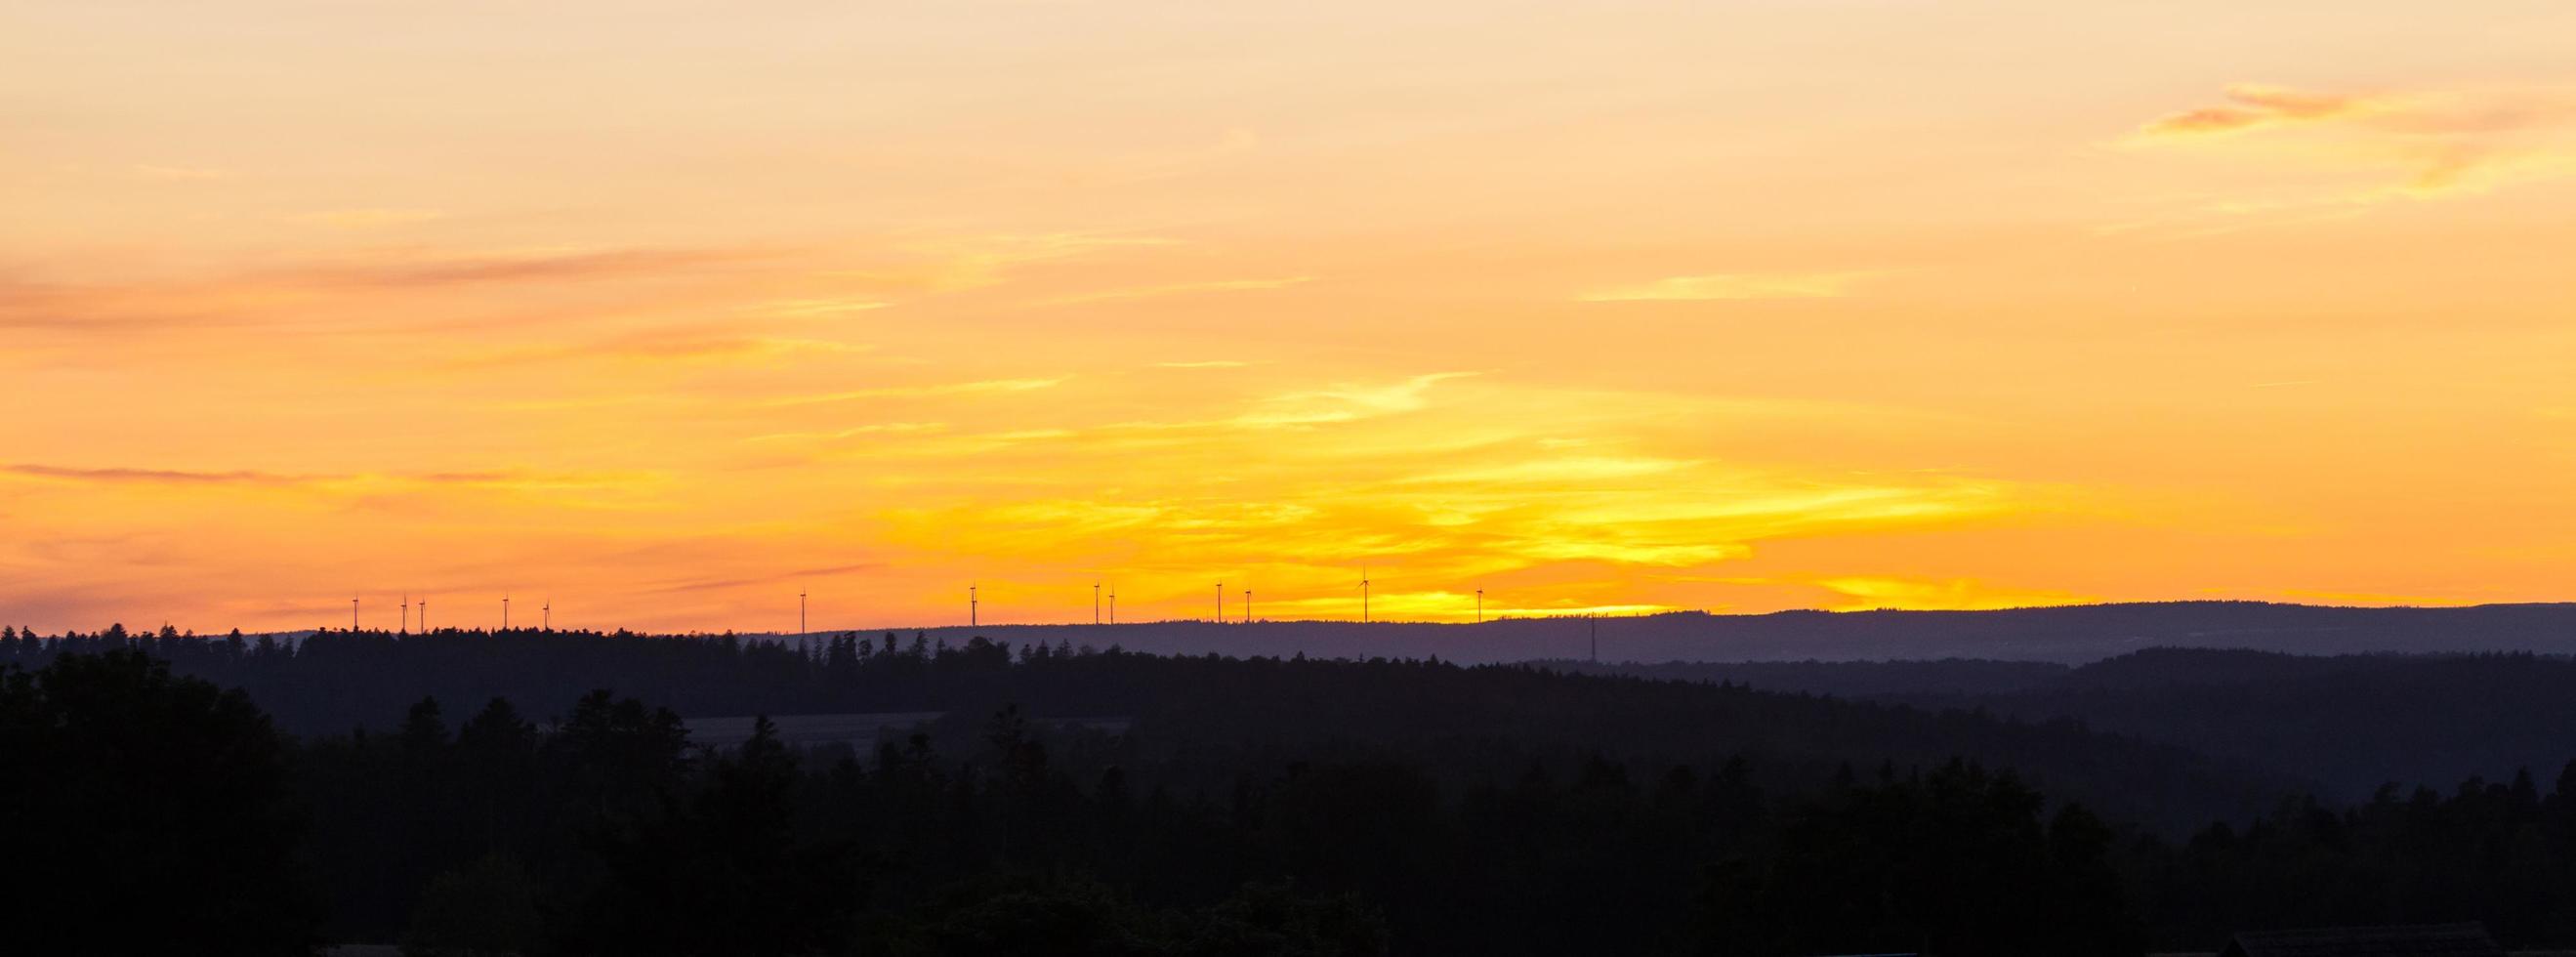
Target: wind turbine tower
353, 614
973, 608
1247, 606
505, 613
1220, 603
1095, 603
406, 613
546, 616
1364, 595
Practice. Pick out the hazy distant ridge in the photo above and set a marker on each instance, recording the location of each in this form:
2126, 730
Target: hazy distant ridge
2071, 635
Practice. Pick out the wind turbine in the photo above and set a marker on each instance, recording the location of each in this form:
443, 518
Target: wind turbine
972, 606
1247, 606
1364, 595
406, 613
1095, 603
353, 614
1480, 606
546, 616
1220, 603
505, 612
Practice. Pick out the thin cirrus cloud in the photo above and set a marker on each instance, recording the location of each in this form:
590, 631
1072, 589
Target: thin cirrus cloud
700, 342
948, 388
153, 476
398, 271
1737, 286
120, 475
372, 217
2439, 141
2253, 106
1178, 289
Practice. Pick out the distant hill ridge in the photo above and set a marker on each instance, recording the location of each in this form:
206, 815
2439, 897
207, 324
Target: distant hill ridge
2073, 634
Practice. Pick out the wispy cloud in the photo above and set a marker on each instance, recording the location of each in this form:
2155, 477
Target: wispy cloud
681, 344
874, 428
1730, 286
1204, 364
154, 476
820, 308
948, 388
718, 584
490, 478
956, 265
2253, 106
173, 172
2415, 145
1557, 470
1177, 289
543, 265
1345, 403
372, 218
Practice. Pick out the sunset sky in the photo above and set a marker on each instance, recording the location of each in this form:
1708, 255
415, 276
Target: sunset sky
665, 311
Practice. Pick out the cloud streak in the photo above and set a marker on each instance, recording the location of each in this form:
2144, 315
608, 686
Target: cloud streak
979, 387
1178, 289
1719, 287
2254, 106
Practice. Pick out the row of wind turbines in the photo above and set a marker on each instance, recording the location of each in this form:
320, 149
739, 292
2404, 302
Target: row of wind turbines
974, 604
545, 613
974, 607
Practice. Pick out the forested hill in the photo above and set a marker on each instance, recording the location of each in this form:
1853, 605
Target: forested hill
2074, 634
1204, 719
2349, 722
2071, 635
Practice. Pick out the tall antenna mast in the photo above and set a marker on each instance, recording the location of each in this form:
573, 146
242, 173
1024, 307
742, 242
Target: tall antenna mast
1364, 595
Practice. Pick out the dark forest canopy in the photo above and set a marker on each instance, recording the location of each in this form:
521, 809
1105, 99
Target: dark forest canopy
1456, 723
463, 789
2348, 722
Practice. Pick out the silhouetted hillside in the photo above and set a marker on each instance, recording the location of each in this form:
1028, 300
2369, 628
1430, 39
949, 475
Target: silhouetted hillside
1845, 679
2352, 722
2070, 635
1197, 720
2348, 722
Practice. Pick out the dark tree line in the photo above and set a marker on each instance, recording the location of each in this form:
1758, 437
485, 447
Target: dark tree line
1196, 720
1254, 807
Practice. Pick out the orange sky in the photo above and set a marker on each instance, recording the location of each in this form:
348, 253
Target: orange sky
665, 311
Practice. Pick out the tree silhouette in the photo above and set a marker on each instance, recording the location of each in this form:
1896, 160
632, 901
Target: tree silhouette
148, 810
